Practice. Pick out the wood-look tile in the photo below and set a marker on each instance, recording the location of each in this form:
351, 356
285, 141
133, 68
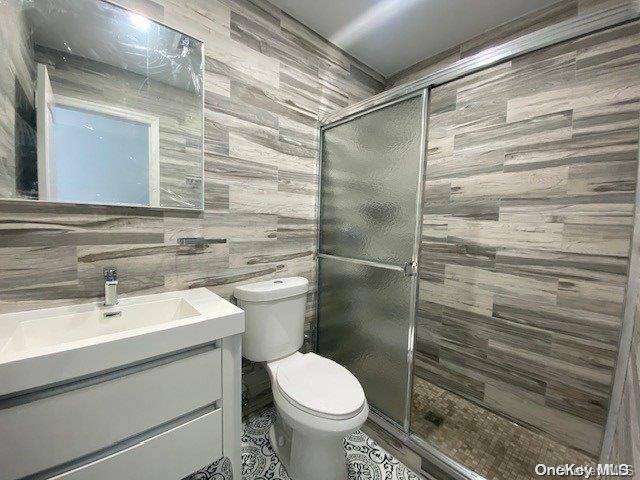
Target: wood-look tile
194, 264
297, 182
540, 183
498, 329
582, 434
233, 112
300, 87
261, 12
266, 253
602, 297
541, 88
442, 100
229, 170
544, 236
546, 128
243, 58
141, 268
435, 256
31, 267
602, 178
216, 137
528, 210
297, 138
433, 372
300, 228
270, 151
50, 229
458, 295
274, 101
428, 323
216, 77
488, 369
258, 200
588, 352
594, 210
267, 77
588, 325
596, 239
442, 165
216, 196
577, 402
240, 227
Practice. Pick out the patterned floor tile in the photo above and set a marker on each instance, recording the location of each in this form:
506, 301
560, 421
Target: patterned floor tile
365, 459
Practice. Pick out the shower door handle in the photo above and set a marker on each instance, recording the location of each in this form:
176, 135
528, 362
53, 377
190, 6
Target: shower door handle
410, 268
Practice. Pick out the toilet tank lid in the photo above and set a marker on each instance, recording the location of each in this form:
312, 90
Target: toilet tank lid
272, 289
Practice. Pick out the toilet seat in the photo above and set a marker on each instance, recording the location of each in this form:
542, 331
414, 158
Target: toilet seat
320, 387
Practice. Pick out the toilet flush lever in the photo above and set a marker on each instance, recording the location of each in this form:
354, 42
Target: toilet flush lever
410, 268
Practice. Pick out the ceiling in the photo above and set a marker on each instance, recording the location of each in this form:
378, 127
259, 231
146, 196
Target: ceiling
390, 35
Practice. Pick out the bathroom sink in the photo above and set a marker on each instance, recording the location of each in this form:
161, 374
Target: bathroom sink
49, 346
95, 323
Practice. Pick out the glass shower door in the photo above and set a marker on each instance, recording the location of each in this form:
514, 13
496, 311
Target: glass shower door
369, 237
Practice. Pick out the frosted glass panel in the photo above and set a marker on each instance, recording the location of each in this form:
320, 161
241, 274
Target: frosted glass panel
100, 158
365, 313
369, 183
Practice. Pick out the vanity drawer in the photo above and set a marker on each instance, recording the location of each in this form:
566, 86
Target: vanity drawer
169, 456
50, 431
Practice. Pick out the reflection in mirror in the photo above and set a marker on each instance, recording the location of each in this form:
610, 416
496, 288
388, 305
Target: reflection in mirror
100, 105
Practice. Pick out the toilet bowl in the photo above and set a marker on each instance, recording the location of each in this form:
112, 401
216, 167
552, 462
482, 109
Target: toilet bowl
318, 401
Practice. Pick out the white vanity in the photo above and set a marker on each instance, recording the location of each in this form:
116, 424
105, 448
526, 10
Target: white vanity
146, 389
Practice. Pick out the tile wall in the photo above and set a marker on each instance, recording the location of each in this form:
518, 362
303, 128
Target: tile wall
267, 79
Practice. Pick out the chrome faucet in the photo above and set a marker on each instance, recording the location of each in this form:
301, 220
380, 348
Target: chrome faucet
110, 286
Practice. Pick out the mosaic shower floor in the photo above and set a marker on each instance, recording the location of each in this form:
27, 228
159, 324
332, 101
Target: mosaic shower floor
485, 442
365, 459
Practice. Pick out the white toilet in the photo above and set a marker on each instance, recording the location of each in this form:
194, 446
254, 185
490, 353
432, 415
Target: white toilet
318, 401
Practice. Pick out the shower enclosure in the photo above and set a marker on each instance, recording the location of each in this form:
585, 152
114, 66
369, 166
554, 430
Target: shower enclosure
370, 219
473, 252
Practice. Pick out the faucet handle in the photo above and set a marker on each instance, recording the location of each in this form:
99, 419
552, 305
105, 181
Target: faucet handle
110, 274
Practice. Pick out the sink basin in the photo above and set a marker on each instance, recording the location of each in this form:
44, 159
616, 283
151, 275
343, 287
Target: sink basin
49, 346
71, 327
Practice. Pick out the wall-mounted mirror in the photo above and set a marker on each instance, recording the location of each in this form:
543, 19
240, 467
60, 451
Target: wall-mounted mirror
99, 105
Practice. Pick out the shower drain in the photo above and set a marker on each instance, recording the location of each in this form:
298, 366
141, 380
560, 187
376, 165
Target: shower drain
434, 418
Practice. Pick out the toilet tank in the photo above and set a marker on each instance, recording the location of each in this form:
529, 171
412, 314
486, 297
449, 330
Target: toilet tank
274, 317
